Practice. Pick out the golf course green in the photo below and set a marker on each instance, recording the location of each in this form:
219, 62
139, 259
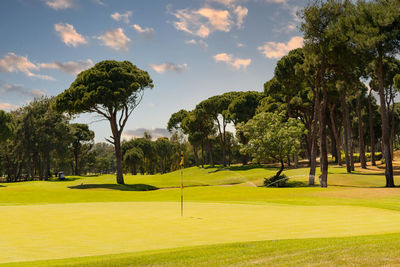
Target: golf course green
228, 220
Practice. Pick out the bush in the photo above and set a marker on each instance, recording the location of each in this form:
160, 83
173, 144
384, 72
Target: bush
276, 181
356, 156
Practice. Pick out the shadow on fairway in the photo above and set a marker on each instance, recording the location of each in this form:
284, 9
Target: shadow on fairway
69, 179
3, 186
239, 168
126, 187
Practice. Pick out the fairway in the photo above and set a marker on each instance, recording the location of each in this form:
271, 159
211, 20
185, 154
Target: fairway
85, 229
94, 218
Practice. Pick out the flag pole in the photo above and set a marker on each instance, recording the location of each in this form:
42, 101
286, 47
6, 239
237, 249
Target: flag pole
181, 191
182, 164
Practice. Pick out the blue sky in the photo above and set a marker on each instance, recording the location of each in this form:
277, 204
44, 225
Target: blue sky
191, 49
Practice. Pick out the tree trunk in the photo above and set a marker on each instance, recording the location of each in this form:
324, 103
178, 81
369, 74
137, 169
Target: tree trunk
118, 154
196, 156
244, 141
392, 130
281, 169
335, 134
385, 126
210, 152
352, 156
223, 154
322, 130
333, 147
134, 169
346, 123
360, 134
314, 131
202, 154
76, 162
371, 130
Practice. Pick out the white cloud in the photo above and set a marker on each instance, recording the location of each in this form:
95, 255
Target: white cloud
60, 4
200, 43
71, 67
241, 13
283, 2
278, 50
219, 19
124, 17
239, 63
236, 63
69, 35
8, 106
14, 63
145, 32
203, 21
138, 133
240, 44
224, 2
223, 57
6, 89
168, 67
115, 39
99, 2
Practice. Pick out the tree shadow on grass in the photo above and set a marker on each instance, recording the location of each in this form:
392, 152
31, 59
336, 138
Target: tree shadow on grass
69, 179
2, 185
240, 168
120, 187
289, 184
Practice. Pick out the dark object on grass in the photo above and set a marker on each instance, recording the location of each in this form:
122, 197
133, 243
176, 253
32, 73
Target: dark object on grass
61, 176
276, 181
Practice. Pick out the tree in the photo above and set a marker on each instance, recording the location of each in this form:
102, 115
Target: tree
272, 137
376, 28
5, 126
133, 158
111, 89
217, 108
199, 125
241, 109
320, 39
286, 75
81, 135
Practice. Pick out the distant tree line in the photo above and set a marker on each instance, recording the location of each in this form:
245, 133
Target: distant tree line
320, 101
37, 141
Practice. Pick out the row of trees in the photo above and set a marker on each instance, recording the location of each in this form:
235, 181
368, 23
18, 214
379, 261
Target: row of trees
143, 155
345, 44
37, 139
206, 126
327, 88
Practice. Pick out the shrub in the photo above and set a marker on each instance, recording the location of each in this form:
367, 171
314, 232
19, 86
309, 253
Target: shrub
276, 181
356, 156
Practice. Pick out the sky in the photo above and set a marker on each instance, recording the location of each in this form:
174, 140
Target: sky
192, 49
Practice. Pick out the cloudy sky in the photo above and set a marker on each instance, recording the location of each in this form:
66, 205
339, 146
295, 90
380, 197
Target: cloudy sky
192, 49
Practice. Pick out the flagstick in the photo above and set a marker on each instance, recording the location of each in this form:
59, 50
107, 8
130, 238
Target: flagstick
181, 190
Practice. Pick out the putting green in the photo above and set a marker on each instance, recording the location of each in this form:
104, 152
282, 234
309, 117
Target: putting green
34, 232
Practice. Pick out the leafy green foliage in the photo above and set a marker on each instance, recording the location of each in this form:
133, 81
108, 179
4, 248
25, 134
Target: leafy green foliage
276, 181
108, 86
6, 128
271, 137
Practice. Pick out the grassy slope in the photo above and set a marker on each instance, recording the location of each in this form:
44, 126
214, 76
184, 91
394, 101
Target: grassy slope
378, 250
72, 230
360, 218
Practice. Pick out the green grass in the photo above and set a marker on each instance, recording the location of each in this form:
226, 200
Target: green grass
93, 216
378, 250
